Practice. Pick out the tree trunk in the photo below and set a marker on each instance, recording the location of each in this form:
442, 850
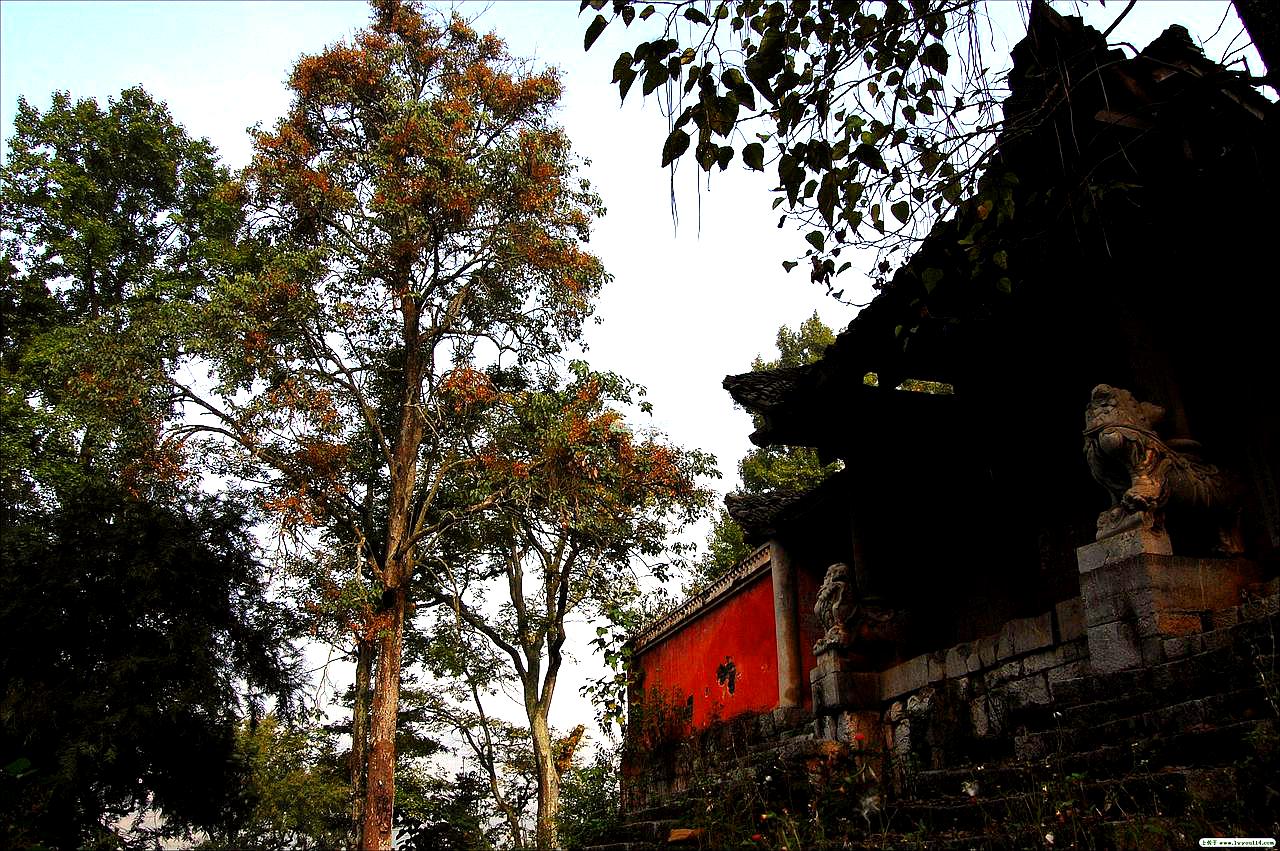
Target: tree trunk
360, 735
1262, 19
380, 779
548, 782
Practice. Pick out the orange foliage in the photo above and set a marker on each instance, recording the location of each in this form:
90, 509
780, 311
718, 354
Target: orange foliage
466, 387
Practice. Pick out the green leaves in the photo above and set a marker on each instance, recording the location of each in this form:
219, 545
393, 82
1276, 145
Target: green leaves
935, 56
594, 29
901, 211
753, 156
677, 143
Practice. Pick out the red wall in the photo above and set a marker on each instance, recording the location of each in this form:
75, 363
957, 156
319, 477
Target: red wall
695, 659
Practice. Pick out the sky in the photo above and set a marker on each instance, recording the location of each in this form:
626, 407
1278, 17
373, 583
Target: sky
688, 304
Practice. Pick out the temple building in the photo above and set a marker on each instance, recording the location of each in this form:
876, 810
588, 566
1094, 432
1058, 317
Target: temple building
1074, 547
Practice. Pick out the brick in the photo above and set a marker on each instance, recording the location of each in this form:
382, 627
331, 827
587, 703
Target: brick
1166, 624
1069, 615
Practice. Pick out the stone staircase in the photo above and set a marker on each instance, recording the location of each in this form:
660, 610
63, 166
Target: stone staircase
1149, 758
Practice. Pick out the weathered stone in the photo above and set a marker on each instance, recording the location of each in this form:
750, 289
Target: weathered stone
1033, 690
1042, 660
1226, 617
1078, 649
986, 650
1175, 648
957, 660
910, 676
895, 712
1165, 624
1070, 619
1004, 673
1123, 545
1033, 633
1114, 647
1068, 671
1005, 646
1144, 474
846, 690
937, 667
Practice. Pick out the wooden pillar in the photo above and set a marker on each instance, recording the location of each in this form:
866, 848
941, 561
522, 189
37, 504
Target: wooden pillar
786, 622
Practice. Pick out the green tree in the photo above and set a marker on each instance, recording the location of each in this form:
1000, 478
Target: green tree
590, 801
585, 497
294, 787
134, 611
792, 469
416, 213
878, 117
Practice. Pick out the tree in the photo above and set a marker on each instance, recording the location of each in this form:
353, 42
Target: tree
585, 497
414, 214
792, 469
134, 610
294, 788
879, 117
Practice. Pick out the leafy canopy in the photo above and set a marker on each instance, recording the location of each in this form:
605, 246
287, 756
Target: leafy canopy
793, 469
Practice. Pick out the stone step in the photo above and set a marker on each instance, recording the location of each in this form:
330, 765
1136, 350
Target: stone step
1157, 724
989, 779
1197, 674
1164, 792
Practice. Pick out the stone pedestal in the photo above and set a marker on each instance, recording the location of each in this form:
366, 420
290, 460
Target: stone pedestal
1136, 594
846, 701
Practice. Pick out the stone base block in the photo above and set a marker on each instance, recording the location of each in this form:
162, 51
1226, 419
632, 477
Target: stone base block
1134, 600
844, 690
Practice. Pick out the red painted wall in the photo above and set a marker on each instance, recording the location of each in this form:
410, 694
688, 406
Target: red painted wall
695, 660
807, 585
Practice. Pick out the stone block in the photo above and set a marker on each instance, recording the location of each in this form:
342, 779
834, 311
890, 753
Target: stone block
957, 661
1166, 624
846, 690
1114, 647
1175, 648
987, 715
986, 650
1073, 650
1008, 671
910, 676
1005, 646
1041, 660
1033, 690
1121, 546
1070, 619
1068, 671
1033, 633
1226, 617
937, 663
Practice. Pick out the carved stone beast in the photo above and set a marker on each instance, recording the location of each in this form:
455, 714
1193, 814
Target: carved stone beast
1145, 475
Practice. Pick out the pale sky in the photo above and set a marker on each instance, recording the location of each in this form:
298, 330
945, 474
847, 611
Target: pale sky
686, 307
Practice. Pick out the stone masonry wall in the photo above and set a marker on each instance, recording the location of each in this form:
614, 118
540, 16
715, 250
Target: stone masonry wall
964, 703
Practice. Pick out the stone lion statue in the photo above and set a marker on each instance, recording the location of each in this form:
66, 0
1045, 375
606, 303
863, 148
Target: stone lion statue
835, 607
1145, 474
